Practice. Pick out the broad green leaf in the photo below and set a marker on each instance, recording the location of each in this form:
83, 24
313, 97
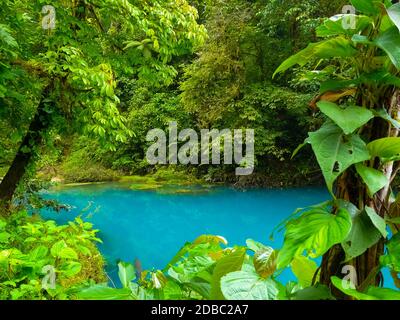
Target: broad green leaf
304, 269
374, 179
334, 25
335, 85
331, 48
126, 273
336, 152
377, 220
366, 6
4, 236
314, 233
389, 41
71, 268
244, 285
372, 293
394, 14
348, 119
229, 263
57, 247
101, 292
317, 292
67, 253
363, 235
265, 261
385, 148
38, 253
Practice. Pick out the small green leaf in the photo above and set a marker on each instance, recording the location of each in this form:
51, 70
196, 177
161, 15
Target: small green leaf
374, 179
385, 148
126, 273
71, 268
254, 245
377, 220
68, 253
57, 247
265, 261
4, 236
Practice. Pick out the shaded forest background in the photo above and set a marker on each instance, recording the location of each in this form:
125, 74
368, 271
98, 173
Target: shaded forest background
226, 83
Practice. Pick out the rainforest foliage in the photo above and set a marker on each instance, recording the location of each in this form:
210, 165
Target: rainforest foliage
77, 100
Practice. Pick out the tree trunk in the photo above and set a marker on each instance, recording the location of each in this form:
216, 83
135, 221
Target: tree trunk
366, 265
350, 188
25, 153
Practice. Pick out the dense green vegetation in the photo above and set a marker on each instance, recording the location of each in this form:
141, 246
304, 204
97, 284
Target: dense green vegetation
77, 101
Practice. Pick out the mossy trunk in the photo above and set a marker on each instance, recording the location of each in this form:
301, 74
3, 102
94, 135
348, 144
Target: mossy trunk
350, 187
25, 154
366, 265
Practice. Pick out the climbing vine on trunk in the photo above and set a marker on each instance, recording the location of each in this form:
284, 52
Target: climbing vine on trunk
357, 148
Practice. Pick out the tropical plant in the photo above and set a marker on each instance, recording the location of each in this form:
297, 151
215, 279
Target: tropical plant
357, 147
42, 260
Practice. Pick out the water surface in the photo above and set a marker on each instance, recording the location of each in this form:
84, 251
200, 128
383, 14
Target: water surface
153, 226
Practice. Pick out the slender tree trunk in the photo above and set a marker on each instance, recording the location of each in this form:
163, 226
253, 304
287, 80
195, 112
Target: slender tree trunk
25, 153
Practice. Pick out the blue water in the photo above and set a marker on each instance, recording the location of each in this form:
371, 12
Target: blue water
153, 226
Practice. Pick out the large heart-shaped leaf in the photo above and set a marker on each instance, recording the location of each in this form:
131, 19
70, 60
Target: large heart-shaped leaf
366, 6
374, 179
363, 235
348, 119
389, 41
314, 232
336, 152
394, 14
246, 285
